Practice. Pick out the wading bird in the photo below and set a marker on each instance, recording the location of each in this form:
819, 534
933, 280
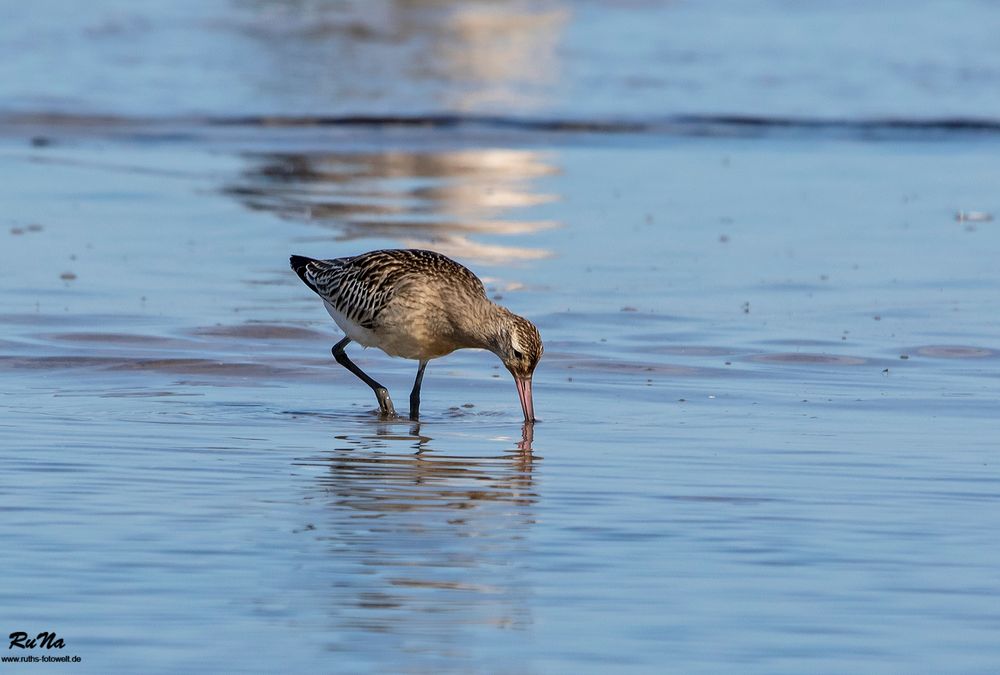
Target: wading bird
419, 305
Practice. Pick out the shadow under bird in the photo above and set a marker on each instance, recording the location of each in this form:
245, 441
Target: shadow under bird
419, 305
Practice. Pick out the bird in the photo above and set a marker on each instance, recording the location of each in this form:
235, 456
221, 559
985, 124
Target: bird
421, 305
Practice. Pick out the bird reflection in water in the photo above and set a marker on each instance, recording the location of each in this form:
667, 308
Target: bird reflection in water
425, 542
463, 477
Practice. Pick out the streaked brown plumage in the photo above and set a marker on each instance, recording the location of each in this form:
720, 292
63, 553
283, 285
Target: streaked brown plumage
419, 305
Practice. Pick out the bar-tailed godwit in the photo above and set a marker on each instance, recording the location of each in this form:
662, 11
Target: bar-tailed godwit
419, 305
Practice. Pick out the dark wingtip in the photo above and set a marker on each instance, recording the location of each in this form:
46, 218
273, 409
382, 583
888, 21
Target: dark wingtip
299, 263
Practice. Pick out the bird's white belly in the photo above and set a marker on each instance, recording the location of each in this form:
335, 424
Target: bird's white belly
356, 332
396, 339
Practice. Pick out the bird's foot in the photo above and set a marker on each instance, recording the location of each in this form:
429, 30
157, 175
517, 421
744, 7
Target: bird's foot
384, 402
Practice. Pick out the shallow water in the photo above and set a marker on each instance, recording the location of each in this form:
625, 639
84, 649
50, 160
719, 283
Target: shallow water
768, 400
735, 464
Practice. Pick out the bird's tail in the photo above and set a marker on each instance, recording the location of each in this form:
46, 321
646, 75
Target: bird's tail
299, 264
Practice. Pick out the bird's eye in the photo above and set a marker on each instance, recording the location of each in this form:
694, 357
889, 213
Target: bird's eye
518, 355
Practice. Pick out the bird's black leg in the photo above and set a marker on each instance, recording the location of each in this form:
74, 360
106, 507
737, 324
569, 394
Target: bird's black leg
381, 393
415, 394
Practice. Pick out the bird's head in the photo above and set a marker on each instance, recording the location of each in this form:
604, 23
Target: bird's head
519, 347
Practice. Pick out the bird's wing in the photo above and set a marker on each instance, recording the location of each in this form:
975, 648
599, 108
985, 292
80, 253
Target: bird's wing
361, 286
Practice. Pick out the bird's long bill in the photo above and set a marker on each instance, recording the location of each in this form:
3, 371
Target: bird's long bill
524, 392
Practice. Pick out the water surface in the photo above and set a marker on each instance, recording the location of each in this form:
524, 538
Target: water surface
761, 444
769, 394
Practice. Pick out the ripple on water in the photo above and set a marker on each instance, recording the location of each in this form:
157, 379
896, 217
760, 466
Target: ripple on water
807, 358
685, 350
108, 338
800, 342
630, 367
262, 331
185, 366
956, 352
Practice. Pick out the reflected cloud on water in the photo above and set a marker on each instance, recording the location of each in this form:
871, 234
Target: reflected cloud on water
429, 199
472, 56
423, 540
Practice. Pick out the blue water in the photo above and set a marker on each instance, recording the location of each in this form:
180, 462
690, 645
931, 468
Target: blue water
631, 59
769, 391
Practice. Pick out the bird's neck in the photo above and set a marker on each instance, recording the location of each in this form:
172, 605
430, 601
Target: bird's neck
480, 326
